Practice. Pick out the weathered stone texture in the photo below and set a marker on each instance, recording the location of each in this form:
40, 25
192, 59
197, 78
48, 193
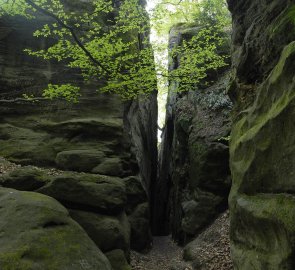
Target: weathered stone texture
194, 177
262, 148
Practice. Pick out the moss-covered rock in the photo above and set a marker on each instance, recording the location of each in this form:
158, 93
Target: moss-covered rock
22, 145
141, 237
118, 260
24, 178
108, 232
262, 145
71, 136
97, 192
110, 166
90, 191
135, 193
79, 160
197, 214
263, 231
37, 233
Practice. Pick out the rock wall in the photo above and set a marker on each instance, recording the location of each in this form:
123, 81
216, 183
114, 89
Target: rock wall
194, 177
100, 135
141, 124
262, 141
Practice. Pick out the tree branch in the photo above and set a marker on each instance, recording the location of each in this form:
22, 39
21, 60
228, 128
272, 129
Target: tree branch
64, 25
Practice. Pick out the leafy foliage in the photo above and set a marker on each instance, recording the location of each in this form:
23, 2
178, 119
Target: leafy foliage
201, 52
105, 41
108, 41
67, 91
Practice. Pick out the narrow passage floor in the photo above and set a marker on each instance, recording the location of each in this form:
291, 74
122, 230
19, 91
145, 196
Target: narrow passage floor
165, 255
209, 251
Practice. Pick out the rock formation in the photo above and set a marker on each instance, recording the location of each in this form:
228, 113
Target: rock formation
37, 233
262, 141
194, 177
110, 147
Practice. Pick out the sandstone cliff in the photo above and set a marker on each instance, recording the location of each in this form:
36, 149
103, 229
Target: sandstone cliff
262, 141
194, 177
110, 146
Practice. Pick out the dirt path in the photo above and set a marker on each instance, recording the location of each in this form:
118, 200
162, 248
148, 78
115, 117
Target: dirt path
165, 255
209, 251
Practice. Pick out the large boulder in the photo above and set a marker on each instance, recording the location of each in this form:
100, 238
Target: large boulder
87, 191
79, 160
24, 178
98, 193
95, 202
108, 232
38, 233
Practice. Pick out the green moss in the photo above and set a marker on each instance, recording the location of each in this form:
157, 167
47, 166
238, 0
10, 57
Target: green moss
250, 125
283, 21
118, 260
14, 260
279, 207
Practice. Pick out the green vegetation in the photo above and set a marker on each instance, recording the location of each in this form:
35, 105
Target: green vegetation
204, 13
203, 50
109, 42
105, 42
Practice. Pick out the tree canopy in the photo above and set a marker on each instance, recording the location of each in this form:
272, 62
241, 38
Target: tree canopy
108, 41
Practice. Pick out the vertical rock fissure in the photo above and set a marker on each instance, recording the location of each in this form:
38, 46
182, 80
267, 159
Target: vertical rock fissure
193, 171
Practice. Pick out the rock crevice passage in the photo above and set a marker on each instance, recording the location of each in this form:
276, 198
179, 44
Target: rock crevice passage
81, 186
194, 177
98, 160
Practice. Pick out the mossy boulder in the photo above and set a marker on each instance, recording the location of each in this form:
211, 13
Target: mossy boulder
197, 214
16, 146
79, 160
24, 178
118, 260
110, 166
209, 167
108, 232
141, 238
135, 193
37, 233
98, 193
87, 191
